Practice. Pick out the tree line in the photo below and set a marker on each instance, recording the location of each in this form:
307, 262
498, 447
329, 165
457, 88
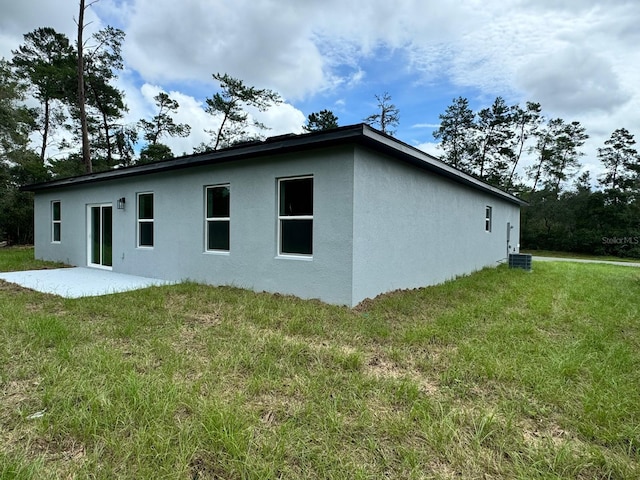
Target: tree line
77, 126
567, 211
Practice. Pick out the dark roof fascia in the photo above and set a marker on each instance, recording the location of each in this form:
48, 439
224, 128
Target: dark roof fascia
360, 133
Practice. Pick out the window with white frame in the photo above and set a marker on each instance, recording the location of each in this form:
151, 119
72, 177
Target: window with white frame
217, 218
487, 218
145, 220
295, 216
56, 221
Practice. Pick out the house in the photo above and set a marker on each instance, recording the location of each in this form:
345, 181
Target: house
340, 215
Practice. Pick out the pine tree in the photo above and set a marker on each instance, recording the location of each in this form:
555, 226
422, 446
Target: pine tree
322, 120
456, 134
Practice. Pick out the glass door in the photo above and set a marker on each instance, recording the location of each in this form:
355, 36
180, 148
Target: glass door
100, 235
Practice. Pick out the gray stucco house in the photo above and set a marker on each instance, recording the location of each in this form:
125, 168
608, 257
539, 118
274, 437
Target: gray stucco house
340, 215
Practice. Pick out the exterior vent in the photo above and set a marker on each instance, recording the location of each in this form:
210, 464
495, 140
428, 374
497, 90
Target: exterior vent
520, 260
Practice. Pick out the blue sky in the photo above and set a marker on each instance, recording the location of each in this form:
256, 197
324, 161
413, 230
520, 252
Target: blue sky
578, 58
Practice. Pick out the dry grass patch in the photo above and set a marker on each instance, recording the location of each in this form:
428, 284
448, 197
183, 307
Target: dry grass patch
11, 288
380, 367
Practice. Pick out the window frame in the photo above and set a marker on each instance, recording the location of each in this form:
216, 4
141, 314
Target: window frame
208, 219
281, 218
140, 221
488, 218
55, 222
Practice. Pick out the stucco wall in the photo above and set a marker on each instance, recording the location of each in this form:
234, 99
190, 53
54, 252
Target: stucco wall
179, 250
414, 228
379, 225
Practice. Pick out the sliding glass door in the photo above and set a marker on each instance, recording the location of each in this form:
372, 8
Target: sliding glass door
100, 235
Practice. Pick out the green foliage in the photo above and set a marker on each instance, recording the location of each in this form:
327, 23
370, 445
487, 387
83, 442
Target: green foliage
581, 220
622, 164
16, 219
322, 120
388, 116
69, 166
490, 145
456, 134
162, 123
16, 207
526, 123
556, 154
16, 120
18, 164
228, 106
46, 62
154, 152
105, 103
562, 154
494, 134
125, 138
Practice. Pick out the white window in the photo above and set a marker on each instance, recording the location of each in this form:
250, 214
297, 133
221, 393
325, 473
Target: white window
295, 216
145, 220
217, 219
56, 222
487, 219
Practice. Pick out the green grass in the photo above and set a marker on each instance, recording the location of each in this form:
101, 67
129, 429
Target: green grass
501, 374
13, 259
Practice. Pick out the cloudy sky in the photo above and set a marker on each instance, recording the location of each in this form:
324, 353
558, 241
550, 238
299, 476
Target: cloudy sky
578, 58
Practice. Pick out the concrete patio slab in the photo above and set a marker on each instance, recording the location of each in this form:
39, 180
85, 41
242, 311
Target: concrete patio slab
79, 282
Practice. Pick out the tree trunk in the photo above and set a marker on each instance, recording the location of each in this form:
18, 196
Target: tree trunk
105, 124
45, 130
224, 119
86, 152
107, 139
521, 140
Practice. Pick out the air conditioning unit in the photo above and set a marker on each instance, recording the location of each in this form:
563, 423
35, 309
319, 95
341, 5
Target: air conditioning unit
520, 260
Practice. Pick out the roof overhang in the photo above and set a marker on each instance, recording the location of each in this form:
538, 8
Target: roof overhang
352, 134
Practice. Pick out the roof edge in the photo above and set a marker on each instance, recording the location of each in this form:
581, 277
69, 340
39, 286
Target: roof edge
269, 146
425, 160
357, 133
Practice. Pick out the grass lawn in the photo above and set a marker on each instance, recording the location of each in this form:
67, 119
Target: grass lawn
14, 259
501, 374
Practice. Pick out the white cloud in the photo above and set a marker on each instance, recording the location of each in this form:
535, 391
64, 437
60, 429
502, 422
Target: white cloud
281, 119
592, 84
20, 17
430, 147
264, 45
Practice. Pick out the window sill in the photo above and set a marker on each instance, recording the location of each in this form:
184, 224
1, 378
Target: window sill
224, 253
304, 258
